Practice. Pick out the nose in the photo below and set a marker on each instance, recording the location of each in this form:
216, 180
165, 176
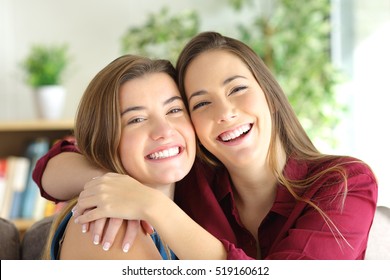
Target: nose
161, 129
225, 111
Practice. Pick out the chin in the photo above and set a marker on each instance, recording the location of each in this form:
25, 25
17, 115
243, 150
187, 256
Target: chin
241, 160
171, 178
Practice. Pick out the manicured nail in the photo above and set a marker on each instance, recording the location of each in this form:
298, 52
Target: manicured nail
96, 239
106, 246
126, 247
76, 221
84, 228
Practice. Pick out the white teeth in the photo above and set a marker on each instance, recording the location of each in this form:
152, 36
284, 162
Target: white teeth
235, 133
165, 153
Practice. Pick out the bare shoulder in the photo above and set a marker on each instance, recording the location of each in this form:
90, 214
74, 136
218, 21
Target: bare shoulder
78, 246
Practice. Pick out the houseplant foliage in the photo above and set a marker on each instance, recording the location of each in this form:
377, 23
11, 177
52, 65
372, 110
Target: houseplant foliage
45, 65
163, 35
293, 39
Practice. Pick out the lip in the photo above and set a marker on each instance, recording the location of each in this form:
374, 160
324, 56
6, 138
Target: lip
235, 135
165, 153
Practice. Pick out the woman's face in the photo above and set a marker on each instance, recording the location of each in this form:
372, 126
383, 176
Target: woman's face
228, 109
157, 145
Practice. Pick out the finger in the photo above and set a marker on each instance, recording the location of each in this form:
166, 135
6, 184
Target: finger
97, 231
130, 234
111, 231
147, 227
75, 214
85, 228
84, 204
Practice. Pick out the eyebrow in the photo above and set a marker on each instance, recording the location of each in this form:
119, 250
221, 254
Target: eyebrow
225, 82
140, 108
228, 80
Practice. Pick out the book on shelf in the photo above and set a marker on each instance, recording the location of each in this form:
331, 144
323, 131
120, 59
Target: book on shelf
18, 184
20, 197
16, 174
3, 171
32, 200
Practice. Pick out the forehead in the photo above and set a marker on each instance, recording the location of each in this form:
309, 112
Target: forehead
153, 86
211, 66
218, 57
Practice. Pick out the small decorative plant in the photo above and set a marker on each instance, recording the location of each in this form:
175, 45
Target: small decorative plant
45, 65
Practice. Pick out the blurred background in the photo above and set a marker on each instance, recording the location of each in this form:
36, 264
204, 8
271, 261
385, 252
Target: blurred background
330, 56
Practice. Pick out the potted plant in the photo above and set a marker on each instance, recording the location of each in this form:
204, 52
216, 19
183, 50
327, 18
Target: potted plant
44, 67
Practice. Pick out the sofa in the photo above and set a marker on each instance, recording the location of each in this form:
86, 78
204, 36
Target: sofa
32, 244
30, 247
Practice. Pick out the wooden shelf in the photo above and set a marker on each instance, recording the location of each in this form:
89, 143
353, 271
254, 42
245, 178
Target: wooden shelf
34, 125
15, 135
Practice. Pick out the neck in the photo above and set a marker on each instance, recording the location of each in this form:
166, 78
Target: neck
253, 184
257, 182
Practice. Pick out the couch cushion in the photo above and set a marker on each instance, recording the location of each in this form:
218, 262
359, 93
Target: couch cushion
9, 241
378, 247
34, 239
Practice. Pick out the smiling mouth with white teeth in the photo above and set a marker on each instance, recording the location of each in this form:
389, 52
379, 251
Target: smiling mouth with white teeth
234, 134
171, 152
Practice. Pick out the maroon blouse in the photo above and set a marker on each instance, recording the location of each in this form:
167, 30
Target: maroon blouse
292, 229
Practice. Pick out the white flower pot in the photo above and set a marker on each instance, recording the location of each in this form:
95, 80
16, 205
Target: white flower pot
50, 101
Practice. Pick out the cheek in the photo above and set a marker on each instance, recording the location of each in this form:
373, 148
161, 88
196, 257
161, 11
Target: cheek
190, 133
251, 102
128, 145
186, 129
202, 127
197, 121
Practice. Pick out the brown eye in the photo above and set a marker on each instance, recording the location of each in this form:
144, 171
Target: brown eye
238, 89
200, 104
136, 120
175, 110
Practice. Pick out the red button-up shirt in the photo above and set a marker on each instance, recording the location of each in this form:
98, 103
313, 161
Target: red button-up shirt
292, 229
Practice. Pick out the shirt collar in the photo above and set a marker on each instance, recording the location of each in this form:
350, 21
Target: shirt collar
284, 201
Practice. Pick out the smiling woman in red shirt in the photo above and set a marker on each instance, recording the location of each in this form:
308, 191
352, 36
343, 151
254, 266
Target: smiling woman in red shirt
259, 184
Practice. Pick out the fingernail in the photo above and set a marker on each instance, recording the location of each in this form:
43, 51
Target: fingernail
84, 228
126, 247
73, 209
106, 246
76, 221
96, 239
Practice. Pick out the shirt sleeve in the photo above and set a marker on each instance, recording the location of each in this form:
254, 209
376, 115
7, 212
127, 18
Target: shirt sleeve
234, 253
65, 145
345, 234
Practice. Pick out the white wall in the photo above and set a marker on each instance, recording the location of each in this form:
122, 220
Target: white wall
91, 28
365, 55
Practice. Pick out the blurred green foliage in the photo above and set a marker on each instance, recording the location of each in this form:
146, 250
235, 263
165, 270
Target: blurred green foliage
45, 65
293, 39
163, 35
